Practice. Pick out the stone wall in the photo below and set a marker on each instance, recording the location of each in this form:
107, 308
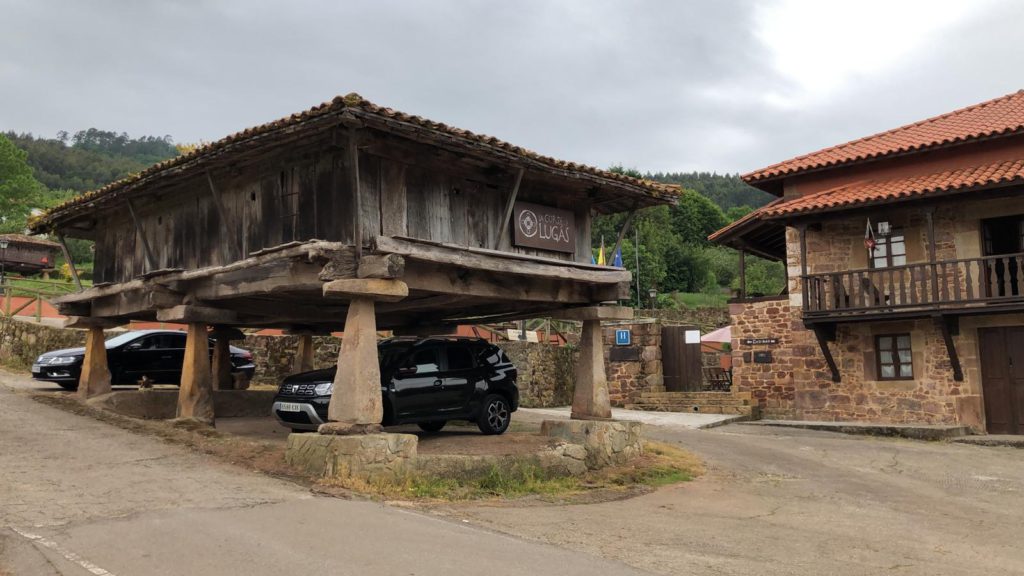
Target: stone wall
547, 374
274, 356
633, 369
24, 341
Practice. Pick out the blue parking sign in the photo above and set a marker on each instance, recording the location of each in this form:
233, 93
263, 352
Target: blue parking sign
623, 338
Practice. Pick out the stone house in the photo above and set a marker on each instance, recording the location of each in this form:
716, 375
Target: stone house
905, 263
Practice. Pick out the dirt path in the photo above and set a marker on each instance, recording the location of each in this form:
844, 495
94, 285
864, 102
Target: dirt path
793, 502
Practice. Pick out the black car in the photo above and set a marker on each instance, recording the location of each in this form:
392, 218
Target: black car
155, 354
424, 381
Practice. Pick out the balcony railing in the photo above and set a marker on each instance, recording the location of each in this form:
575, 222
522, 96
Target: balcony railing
943, 285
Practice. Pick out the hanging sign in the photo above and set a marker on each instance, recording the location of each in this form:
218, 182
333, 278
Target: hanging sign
543, 227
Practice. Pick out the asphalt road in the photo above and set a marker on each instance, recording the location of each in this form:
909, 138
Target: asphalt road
779, 501
78, 496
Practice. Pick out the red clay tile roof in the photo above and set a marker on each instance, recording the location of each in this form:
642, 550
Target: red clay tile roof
354, 105
996, 117
876, 191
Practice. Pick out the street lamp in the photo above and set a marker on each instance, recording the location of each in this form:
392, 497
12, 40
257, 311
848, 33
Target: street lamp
3, 261
653, 293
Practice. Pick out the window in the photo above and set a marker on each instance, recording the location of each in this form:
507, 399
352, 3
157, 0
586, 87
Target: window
459, 358
895, 360
890, 250
425, 361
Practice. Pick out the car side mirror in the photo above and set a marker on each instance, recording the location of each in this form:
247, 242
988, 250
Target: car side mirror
134, 346
407, 371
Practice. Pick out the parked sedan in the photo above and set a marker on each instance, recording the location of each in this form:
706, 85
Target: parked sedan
156, 354
428, 382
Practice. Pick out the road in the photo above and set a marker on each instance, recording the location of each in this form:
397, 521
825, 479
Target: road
78, 496
781, 501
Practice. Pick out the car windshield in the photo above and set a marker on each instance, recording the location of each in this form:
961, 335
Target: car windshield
390, 353
122, 339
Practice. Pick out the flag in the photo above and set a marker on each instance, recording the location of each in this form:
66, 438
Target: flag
617, 259
869, 238
592, 259
600, 255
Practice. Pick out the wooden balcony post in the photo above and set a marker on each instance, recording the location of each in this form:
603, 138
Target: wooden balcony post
928, 214
803, 264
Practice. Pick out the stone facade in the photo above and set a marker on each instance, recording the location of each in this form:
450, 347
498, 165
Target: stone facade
274, 356
705, 317
634, 369
797, 383
24, 341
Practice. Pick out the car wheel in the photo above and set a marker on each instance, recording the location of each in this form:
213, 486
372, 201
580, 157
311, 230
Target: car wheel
433, 426
495, 415
72, 386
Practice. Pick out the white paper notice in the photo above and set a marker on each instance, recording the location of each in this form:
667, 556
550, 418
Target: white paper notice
693, 336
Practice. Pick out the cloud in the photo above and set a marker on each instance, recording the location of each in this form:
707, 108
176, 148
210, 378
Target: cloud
659, 85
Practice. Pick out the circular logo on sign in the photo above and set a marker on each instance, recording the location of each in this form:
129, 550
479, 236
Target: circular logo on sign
528, 223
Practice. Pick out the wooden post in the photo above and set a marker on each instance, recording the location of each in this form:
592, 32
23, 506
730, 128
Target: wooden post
304, 355
39, 308
357, 199
222, 379
590, 401
509, 207
195, 398
7, 301
95, 377
928, 214
743, 274
150, 259
71, 263
803, 265
356, 405
625, 229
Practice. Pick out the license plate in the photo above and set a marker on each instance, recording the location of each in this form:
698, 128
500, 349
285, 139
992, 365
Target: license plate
37, 369
289, 407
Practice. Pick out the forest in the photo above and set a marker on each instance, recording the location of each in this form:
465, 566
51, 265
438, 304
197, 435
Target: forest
670, 243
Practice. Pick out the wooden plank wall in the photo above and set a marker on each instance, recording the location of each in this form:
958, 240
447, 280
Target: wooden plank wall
305, 196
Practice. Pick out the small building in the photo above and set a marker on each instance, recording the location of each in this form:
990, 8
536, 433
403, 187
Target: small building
905, 259
349, 216
26, 254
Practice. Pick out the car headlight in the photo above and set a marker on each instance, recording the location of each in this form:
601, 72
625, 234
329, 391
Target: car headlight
62, 360
324, 388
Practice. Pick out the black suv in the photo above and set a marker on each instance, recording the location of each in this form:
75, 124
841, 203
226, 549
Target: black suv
424, 381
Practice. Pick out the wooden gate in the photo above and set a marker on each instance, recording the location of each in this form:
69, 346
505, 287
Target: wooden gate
1002, 378
680, 360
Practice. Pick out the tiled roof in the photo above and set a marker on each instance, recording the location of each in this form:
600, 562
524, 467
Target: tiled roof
875, 191
1003, 115
23, 239
357, 106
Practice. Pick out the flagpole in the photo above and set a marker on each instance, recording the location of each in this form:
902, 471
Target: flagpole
636, 235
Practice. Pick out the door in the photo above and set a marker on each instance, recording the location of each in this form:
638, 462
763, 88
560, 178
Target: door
460, 378
1002, 378
680, 360
171, 348
1003, 237
139, 358
417, 382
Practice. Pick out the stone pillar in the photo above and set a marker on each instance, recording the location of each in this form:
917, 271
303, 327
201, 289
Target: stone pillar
590, 401
356, 405
195, 398
95, 377
304, 355
222, 379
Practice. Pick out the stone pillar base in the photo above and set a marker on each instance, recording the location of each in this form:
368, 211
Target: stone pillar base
607, 442
367, 457
348, 429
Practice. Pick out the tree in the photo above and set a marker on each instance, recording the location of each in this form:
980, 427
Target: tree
20, 192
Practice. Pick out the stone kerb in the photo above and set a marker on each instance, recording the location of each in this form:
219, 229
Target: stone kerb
366, 456
607, 443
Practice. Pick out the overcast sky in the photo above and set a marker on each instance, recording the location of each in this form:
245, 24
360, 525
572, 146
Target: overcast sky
717, 85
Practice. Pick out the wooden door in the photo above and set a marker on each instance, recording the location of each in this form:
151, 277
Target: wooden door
681, 362
1002, 376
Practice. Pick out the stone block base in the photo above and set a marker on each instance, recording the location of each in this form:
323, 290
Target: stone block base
607, 442
562, 459
365, 456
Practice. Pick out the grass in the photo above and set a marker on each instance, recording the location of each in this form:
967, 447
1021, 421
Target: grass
661, 465
699, 299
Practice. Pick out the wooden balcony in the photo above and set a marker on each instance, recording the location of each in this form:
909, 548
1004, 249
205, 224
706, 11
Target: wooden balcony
952, 287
